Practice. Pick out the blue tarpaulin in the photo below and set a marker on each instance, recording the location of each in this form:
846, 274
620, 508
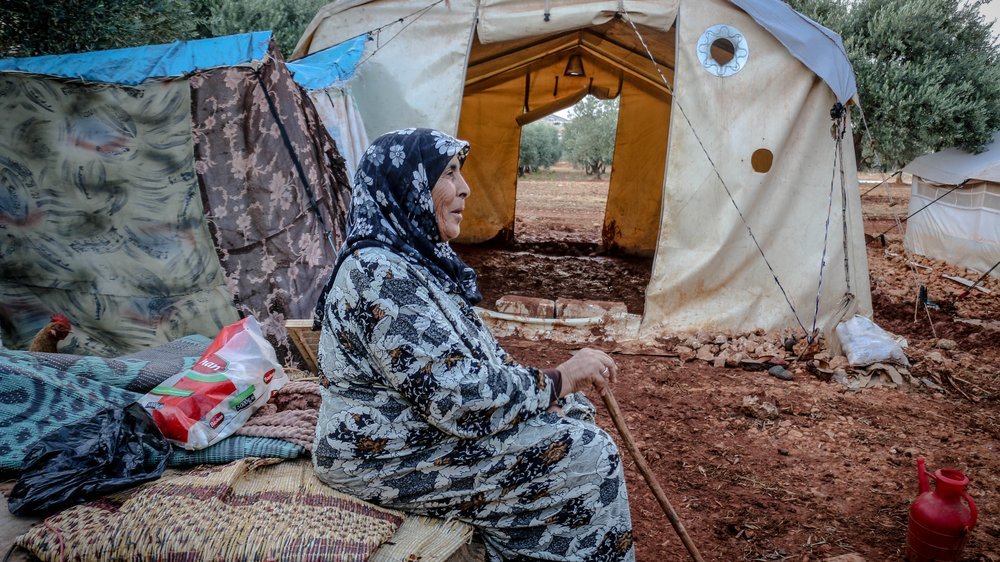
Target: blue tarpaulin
137, 64
322, 69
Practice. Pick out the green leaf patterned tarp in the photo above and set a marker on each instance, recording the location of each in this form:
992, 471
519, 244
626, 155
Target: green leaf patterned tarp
101, 217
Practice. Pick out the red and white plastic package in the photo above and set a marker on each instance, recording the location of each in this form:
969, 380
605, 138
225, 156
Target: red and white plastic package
235, 376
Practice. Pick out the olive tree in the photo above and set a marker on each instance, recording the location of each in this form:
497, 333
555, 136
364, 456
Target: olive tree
287, 18
540, 147
30, 28
589, 137
928, 73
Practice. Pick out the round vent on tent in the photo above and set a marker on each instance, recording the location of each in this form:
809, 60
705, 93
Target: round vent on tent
722, 50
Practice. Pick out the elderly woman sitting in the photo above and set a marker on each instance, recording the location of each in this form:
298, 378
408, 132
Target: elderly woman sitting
423, 411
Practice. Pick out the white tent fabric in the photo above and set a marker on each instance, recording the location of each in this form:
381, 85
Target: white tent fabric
340, 115
816, 46
707, 273
952, 166
406, 82
503, 20
324, 76
959, 225
475, 67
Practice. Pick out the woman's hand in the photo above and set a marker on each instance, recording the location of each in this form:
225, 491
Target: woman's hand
587, 367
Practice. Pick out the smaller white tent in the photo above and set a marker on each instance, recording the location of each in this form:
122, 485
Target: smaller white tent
955, 207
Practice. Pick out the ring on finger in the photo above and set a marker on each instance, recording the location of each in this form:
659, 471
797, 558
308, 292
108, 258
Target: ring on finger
605, 372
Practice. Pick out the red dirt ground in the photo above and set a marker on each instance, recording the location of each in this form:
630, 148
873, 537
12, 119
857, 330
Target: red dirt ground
832, 471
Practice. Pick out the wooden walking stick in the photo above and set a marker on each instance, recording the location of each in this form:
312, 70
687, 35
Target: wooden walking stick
647, 474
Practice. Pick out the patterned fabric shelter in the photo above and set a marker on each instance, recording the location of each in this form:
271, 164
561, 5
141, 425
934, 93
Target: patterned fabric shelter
155, 192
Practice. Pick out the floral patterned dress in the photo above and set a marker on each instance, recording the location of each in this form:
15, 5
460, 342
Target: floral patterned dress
423, 411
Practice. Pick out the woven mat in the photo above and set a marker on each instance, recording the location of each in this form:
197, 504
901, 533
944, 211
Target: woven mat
427, 540
247, 510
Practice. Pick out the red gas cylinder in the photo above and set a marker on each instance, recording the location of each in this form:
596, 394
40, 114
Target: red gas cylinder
939, 521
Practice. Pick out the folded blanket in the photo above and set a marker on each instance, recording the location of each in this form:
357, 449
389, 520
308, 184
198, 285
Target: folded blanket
42, 392
290, 415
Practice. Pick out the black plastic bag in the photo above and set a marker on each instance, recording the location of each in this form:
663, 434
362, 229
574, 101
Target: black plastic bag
89, 459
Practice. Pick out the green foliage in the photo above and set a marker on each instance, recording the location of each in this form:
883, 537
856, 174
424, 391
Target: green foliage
589, 138
540, 147
287, 18
928, 73
45, 27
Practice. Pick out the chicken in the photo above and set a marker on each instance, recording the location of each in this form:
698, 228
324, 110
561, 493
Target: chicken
54, 332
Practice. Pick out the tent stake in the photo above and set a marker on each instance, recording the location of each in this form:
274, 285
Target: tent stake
647, 474
966, 292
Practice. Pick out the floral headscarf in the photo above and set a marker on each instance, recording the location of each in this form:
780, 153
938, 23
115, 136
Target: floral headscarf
391, 207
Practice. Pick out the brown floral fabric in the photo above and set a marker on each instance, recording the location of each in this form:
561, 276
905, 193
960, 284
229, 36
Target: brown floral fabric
275, 229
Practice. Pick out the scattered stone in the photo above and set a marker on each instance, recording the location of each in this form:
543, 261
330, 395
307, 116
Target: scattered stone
790, 342
669, 342
705, 353
531, 307
573, 308
759, 407
780, 372
783, 452
693, 343
720, 360
849, 557
720, 339
734, 360
684, 353
946, 344
936, 357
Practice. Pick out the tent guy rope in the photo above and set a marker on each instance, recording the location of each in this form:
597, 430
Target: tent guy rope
376, 33
911, 215
839, 127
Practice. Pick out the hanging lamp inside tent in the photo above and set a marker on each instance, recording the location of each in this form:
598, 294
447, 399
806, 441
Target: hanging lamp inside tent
574, 66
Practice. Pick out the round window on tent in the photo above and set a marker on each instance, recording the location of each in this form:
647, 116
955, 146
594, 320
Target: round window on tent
761, 160
722, 50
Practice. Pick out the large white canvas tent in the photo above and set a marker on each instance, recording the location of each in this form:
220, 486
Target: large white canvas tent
724, 129
955, 207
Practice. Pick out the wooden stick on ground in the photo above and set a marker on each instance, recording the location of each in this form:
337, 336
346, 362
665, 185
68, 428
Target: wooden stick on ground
647, 474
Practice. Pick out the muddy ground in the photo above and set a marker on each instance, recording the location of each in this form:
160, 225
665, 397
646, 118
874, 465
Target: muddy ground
827, 471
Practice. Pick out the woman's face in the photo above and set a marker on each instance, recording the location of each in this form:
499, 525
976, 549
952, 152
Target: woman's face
449, 195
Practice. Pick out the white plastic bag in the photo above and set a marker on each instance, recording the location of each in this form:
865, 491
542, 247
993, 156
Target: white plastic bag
235, 376
865, 343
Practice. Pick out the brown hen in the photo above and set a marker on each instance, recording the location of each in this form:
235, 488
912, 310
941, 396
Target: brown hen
54, 332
